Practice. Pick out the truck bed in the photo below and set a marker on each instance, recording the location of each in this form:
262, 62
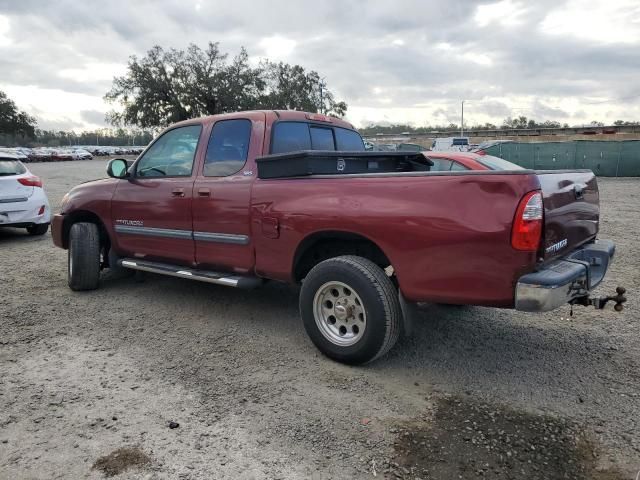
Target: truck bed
447, 234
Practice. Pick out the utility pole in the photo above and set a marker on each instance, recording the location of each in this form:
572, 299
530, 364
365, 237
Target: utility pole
462, 121
321, 95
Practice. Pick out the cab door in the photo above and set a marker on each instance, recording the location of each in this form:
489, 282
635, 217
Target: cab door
151, 209
222, 195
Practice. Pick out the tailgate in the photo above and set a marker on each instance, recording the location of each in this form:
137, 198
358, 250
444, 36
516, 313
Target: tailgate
571, 210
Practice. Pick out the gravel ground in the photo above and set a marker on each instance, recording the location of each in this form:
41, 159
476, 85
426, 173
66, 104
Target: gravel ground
92, 381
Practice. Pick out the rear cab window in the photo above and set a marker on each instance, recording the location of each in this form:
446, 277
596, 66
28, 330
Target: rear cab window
295, 136
348, 140
322, 138
9, 166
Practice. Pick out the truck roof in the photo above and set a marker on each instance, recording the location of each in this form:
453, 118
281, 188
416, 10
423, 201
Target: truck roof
286, 115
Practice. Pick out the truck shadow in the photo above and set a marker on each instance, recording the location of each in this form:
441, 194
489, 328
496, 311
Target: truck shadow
540, 361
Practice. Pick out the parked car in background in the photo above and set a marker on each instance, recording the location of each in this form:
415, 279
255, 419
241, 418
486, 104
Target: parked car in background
393, 147
24, 151
62, 156
17, 152
450, 144
409, 147
81, 154
23, 202
460, 161
40, 155
386, 147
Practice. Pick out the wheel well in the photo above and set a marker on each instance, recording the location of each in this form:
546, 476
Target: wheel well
322, 246
88, 217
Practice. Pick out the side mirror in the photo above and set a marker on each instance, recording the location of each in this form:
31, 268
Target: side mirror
117, 168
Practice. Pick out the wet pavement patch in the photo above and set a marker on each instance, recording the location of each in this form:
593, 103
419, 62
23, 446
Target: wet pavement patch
120, 460
471, 439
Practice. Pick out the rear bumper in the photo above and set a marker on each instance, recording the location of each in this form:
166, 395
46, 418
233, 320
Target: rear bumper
56, 230
566, 279
25, 212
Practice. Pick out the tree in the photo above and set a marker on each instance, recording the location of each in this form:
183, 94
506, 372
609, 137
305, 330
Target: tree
290, 87
168, 86
14, 122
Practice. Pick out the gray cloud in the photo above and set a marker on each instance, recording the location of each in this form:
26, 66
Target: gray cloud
59, 124
393, 47
93, 117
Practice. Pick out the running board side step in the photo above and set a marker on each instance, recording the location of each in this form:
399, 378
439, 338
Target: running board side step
191, 274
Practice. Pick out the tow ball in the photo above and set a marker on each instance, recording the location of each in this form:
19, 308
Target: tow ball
601, 302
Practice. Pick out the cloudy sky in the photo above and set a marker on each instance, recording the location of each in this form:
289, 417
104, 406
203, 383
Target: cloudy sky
403, 61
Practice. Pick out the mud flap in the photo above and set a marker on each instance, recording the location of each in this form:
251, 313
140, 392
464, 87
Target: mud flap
409, 315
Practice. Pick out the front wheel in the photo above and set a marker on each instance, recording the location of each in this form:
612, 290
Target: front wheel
84, 256
350, 309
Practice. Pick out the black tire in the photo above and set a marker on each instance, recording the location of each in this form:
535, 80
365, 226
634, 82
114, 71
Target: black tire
83, 264
38, 229
380, 303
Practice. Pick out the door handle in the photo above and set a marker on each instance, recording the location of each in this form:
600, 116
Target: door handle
177, 192
204, 192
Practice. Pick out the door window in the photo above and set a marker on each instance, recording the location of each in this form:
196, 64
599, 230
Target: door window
172, 154
228, 148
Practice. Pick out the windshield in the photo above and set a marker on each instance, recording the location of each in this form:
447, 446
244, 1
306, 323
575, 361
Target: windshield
11, 167
495, 163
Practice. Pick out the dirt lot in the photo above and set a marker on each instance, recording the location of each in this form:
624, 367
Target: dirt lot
92, 381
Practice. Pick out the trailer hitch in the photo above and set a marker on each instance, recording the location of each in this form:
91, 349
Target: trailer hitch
600, 302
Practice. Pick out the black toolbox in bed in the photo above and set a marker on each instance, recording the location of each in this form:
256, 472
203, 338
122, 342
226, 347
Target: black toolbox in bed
320, 162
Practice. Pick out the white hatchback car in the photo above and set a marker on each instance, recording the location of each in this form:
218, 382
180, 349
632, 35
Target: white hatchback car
23, 203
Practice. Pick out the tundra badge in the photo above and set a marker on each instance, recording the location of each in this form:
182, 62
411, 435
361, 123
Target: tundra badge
556, 247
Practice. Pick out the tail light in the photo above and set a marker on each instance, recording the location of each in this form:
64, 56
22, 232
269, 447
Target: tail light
527, 225
31, 181
41, 211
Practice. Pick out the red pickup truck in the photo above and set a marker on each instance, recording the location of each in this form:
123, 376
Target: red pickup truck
242, 198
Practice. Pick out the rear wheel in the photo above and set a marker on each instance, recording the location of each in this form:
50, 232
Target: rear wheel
350, 309
38, 229
84, 257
